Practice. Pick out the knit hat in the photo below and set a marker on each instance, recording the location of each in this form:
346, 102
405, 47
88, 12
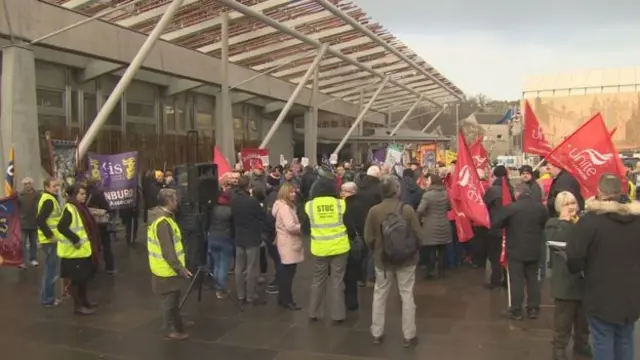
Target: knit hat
526, 169
500, 171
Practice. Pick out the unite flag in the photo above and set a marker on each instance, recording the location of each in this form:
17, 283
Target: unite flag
533, 139
589, 153
466, 187
479, 154
9, 181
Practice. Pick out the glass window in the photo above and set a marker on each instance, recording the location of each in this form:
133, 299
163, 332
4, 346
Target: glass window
144, 139
50, 98
169, 118
181, 118
204, 110
140, 110
115, 118
334, 124
253, 130
238, 130
75, 111
299, 123
90, 109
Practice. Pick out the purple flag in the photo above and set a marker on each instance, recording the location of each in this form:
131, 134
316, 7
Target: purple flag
378, 156
119, 176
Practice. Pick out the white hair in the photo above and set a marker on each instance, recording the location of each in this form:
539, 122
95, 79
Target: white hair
27, 180
350, 187
374, 170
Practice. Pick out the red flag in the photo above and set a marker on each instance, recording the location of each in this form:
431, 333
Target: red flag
464, 229
466, 187
533, 140
587, 154
479, 154
223, 165
506, 200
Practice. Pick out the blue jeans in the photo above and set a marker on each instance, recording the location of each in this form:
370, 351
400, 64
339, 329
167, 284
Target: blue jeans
29, 246
220, 255
611, 341
50, 274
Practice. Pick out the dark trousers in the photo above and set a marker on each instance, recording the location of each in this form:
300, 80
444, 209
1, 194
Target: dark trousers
479, 247
263, 260
272, 250
494, 248
131, 227
353, 274
521, 274
435, 257
78, 291
568, 315
285, 294
171, 320
107, 252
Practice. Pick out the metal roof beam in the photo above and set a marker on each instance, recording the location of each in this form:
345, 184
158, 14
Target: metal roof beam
149, 14
97, 68
292, 32
362, 74
266, 31
414, 85
76, 4
351, 69
400, 99
178, 86
264, 50
358, 26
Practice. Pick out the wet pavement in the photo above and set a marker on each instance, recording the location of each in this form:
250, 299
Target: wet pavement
456, 319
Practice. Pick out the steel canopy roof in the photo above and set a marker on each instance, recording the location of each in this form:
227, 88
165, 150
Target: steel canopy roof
258, 46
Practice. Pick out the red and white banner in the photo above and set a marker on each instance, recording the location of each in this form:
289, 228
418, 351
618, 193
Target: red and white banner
587, 154
223, 164
466, 188
252, 158
479, 154
533, 139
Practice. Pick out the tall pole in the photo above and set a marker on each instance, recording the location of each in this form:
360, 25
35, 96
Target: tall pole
126, 78
406, 116
457, 126
294, 95
361, 116
227, 139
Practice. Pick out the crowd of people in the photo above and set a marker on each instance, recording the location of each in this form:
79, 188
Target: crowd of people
365, 226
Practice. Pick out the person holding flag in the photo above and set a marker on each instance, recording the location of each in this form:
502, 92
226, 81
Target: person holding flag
524, 221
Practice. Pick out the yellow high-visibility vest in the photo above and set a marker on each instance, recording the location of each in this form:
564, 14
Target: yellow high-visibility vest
52, 220
632, 191
66, 248
328, 232
158, 265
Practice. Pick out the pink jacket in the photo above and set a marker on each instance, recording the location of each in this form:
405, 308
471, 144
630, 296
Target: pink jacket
288, 235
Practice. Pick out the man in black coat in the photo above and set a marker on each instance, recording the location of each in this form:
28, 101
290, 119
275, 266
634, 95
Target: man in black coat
487, 243
527, 177
524, 221
562, 181
248, 221
604, 247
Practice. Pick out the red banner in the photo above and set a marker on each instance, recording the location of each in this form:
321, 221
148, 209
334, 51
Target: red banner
466, 187
506, 200
10, 244
587, 154
251, 158
223, 164
479, 154
533, 139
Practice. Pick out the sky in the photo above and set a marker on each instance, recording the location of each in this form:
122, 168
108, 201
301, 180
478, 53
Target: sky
493, 46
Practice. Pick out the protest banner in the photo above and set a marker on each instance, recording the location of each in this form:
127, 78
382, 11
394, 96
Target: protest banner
10, 244
251, 158
119, 177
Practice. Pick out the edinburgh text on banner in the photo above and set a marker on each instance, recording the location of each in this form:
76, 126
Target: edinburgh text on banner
119, 177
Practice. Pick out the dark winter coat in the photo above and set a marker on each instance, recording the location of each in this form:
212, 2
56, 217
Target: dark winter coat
604, 246
354, 216
370, 191
493, 200
563, 182
524, 221
432, 212
410, 192
536, 190
564, 285
248, 219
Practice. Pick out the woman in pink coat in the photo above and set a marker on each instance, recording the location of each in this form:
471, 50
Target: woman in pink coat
288, 242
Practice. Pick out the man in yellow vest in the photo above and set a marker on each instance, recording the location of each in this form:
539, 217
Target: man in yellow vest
167, 261
49, 214
330, 248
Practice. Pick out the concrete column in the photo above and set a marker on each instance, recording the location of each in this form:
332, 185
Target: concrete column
19, 116
224, 119
311, 137
355, 147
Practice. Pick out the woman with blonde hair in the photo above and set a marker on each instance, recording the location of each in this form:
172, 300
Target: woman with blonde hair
566, 288
288, 241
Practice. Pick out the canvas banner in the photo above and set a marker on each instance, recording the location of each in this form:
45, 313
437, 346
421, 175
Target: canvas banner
118, 175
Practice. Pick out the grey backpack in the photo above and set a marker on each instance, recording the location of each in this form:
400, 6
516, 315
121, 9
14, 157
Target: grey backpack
398, 241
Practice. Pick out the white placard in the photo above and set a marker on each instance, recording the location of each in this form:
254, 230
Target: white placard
265, 160
333, 159
304, 161
283, 162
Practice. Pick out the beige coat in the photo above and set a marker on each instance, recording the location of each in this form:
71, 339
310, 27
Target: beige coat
288, 234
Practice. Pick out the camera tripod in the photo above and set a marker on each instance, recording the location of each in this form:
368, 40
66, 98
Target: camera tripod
198, 280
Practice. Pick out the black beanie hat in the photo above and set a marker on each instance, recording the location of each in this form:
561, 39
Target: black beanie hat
500, 171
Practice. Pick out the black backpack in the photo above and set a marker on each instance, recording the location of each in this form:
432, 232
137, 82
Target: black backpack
399, 243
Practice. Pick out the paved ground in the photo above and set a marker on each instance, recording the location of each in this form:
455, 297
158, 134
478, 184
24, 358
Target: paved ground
456, 318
